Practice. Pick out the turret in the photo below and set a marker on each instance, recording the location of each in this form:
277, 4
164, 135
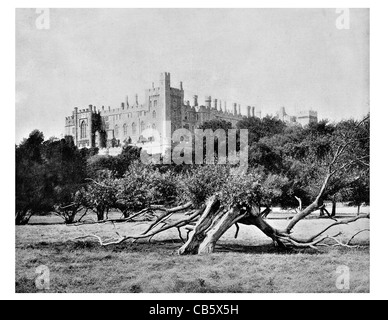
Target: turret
208, 102
165, 79
195, 97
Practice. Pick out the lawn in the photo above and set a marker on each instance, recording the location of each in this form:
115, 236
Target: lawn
249, 263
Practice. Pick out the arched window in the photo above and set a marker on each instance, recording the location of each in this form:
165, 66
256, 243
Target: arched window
83, 130
154, 114
116, 131
134, 128
142, 126
125, 129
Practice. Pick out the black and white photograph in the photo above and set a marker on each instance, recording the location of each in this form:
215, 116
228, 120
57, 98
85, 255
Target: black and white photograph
192, 151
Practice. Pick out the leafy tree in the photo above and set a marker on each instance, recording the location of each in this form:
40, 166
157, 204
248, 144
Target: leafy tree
100, 195
118, 165
260, 128
31, 187
65, 169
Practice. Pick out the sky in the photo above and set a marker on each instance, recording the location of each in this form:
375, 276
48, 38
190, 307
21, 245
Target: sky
267, 58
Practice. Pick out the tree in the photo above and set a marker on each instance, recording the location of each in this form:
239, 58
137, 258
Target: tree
31, 187
117, 165
260, 128
65, 169
100, 196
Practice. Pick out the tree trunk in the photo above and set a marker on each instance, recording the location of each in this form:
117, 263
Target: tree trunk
256, 219
22, 217
308, 210
265, 213
100, 214
311, 208
222, 221
334, 208
199, 233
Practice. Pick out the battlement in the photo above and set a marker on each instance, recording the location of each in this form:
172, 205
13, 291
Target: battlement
162, 104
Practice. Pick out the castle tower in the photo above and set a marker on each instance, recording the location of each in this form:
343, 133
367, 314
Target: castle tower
195, 98
76, 125
208, 102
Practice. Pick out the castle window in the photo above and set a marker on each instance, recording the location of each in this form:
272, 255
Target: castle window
116, 130
83, 130
142, 126
125, 129
134, 128
154, 114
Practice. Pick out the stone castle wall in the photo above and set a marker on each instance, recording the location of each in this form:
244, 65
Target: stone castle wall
164, 110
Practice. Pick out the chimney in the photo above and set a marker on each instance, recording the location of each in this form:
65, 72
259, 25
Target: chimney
122, 105
102, 108
249, 111
253, 111
195, 100
239, 109
181, 85
208, 102
188, 103
235, 109
215, 104
136, 99
225, 106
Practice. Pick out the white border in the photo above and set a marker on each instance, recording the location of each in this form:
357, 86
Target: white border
379, 117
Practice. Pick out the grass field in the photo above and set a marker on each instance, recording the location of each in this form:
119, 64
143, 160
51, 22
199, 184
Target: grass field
247, 264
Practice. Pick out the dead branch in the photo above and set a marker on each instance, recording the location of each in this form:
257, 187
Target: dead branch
300, 203
121, 239
356, 234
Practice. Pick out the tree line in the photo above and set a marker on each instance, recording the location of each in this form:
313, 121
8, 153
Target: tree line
287, 167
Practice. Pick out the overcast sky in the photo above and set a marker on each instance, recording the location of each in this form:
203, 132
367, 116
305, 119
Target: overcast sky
268, 58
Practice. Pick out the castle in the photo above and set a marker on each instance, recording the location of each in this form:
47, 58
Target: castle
163, 111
